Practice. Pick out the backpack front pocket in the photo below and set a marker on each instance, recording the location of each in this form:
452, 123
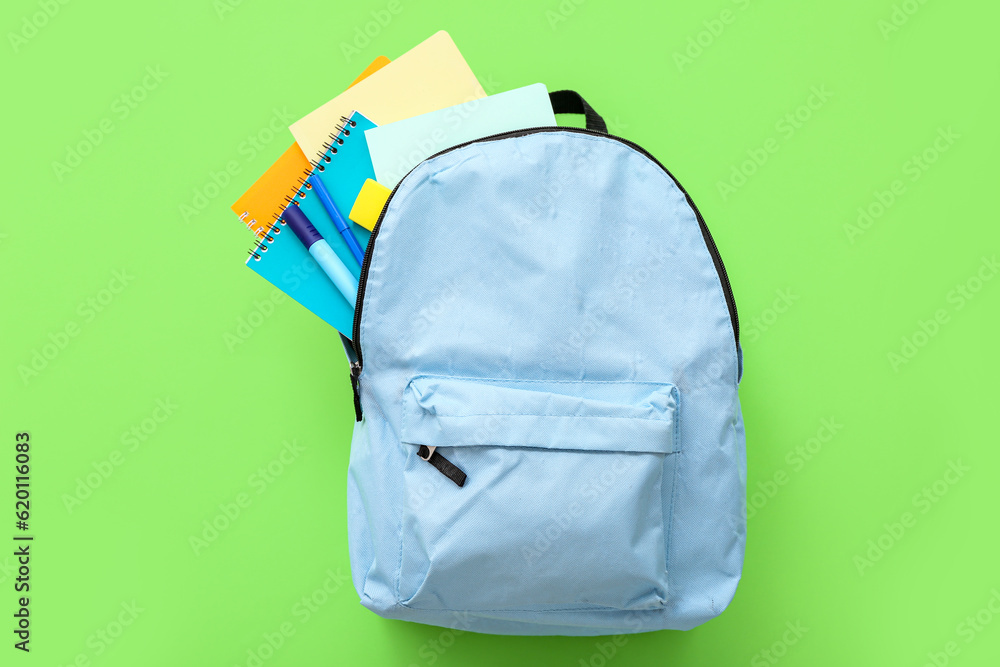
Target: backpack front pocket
568, 486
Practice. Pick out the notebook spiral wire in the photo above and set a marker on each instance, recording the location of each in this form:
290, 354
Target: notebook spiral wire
336, 138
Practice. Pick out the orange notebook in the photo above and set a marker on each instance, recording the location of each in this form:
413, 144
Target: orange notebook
263, 203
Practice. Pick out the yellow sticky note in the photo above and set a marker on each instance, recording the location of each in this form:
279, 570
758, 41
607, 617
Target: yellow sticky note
369, 204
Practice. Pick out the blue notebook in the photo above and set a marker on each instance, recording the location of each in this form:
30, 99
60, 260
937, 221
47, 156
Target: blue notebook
280, 257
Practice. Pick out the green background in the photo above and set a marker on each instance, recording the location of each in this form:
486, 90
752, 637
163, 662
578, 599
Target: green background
823, 303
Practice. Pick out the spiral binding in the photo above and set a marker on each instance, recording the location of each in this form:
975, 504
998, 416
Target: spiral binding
324, 157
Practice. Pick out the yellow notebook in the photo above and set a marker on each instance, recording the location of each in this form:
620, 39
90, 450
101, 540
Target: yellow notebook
430, 76
369, 204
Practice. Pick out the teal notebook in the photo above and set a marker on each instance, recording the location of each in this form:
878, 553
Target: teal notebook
281, 258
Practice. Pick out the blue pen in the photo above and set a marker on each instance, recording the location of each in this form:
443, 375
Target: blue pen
322, 253
338, 219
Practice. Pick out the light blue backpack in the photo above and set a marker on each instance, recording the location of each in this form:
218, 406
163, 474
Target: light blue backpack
545, 363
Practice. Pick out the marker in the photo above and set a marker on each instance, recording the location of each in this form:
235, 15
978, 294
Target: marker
338, 219
322, 253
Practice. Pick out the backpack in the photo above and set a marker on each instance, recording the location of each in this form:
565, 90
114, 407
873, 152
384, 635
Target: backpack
545, 363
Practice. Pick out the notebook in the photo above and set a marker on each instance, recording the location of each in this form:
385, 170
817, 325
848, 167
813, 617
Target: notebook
282, 259
261, 205
398, 147
430, 76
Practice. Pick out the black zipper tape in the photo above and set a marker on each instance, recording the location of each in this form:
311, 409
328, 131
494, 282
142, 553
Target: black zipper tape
355, 373
446, 467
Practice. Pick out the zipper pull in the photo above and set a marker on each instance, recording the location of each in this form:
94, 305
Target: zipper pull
356, 387
446, 467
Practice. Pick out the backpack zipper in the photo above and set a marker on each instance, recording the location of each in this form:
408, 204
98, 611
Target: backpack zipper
713, 250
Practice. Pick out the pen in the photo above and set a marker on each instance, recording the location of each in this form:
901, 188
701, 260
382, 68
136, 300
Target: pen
322, 253
338, 219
